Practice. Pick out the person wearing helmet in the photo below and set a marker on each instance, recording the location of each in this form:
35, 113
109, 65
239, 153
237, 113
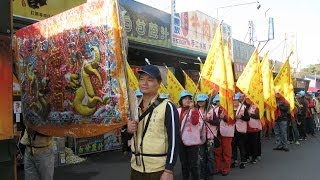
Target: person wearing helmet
155, 146
223, 153
138, 93
211, 122
310, 123
301, 115
253, 132
164, 96
190, 129
240, 136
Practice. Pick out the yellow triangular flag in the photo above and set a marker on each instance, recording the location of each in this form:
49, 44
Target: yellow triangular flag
283, 84
132, 79
189, 84
268, 88
215, 53
250, 82
230, 81
215, 72
203, 88
174, 87
163, 89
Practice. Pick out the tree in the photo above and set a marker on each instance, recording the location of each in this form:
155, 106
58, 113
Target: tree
310, 70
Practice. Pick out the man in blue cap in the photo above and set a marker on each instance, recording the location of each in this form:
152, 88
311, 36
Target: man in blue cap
154, 150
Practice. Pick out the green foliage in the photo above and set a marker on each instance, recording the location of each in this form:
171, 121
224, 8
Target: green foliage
310, 70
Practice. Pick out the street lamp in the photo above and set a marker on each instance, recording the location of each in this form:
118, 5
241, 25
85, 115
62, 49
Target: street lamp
242, 4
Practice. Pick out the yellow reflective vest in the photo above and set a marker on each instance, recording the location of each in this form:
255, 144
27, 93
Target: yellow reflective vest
152, 150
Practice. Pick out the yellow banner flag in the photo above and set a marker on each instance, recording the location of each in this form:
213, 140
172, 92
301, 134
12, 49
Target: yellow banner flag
203, 88
163, 89
174, 87
189, 84
283, 84
230, 80
132, 79
250, 82
215, 73
202, 85
215, 54
268, 88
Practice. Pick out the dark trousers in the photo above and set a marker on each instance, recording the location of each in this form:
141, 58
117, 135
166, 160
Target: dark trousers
259, 144
206, 161
293, 133
310, 125
239, 141
136, 175
125, 137
189, 161
302, 127
253, 146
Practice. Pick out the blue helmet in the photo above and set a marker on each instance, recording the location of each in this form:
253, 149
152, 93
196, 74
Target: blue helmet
164, 96
237, 96
202, 97
302, 93
138, 93
185, 93
216, 98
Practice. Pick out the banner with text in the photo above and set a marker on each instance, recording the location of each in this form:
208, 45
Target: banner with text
145, 24
39, 10
195, 30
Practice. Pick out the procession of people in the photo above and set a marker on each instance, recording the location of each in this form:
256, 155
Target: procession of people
199, 132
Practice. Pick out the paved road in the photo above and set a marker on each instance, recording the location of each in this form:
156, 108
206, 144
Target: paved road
301, 163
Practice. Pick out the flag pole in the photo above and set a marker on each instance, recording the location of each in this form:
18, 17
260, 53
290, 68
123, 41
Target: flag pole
147, 61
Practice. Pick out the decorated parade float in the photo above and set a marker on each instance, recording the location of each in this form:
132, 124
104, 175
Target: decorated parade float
73, 79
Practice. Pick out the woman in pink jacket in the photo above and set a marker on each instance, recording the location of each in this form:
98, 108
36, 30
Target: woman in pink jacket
253, 132
209, 129
190, 135
240, 135
225, 135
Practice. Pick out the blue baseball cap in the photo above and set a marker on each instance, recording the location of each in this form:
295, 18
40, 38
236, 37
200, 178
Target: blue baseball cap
138, 93
202, 97
185, 93
164, 96
216, 98
151, 70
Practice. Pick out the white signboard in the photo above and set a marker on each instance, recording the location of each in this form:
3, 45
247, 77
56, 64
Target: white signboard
195, 31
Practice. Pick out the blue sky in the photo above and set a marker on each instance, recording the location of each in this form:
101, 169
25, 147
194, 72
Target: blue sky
296, 18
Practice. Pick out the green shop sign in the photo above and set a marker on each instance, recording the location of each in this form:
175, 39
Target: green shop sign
146, 24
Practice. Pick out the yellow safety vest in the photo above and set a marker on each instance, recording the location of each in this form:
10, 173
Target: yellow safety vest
153, 149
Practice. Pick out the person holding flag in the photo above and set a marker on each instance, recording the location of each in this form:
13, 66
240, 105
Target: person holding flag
211, 122
223, 153
240, 135
253, 131
280, 125
190, 129
285, 104
155, 150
